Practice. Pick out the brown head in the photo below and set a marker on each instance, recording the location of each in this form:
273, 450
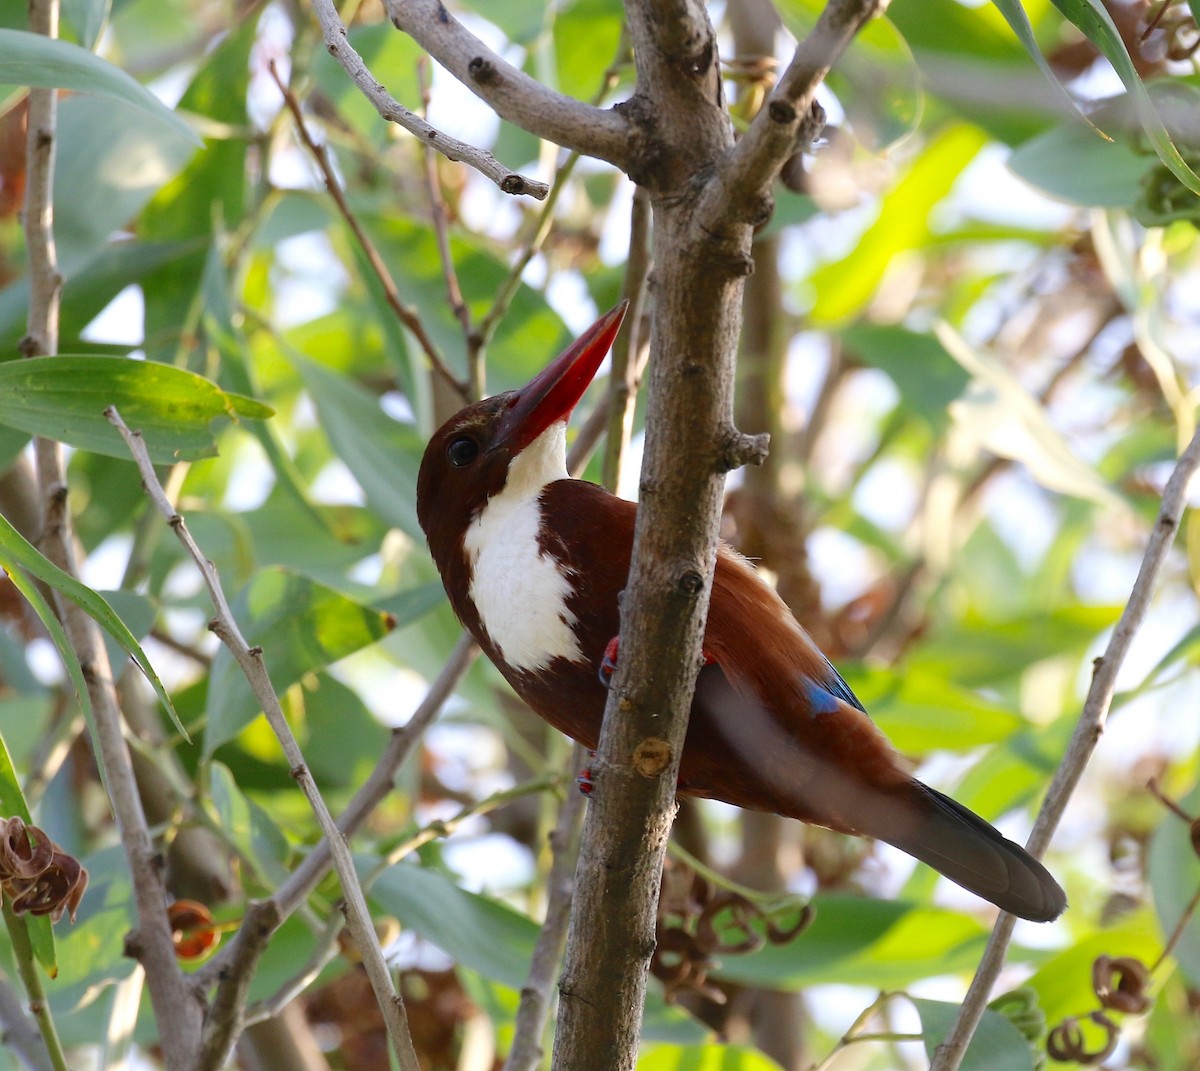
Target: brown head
467, 460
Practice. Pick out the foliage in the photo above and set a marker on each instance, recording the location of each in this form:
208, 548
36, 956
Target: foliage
988, 372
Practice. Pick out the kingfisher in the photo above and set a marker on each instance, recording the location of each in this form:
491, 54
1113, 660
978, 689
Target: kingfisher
533, 562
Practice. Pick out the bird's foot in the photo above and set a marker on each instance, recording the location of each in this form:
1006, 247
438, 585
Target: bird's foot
608, 663
584, 780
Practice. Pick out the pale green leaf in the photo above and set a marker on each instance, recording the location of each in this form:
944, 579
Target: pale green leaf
996, 1045
1001, 416
17, 553
65, 398
30, 59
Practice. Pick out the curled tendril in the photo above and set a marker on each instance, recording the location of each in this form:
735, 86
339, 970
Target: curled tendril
1121, 983
1067, 1043
697, 921
36, 875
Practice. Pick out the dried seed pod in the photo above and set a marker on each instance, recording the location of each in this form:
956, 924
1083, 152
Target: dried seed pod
1121, 983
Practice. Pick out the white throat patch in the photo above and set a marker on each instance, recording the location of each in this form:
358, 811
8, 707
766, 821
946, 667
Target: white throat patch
519, 590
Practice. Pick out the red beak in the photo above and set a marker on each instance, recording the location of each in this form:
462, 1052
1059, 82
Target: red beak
555, 391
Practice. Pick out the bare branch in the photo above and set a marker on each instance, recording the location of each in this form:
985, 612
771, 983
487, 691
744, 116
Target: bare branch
1088, 731
33, 1040
537, 993
176, 1004
394, 112
406, 314
514, 96
741, 191
250, 660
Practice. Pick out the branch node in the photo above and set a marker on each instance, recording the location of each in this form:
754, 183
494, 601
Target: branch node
651, 756
781, 111
482, 71
737, 449
514, 184
298, 771
691, 583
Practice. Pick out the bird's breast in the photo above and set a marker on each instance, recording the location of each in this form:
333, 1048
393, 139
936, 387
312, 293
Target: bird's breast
520, 589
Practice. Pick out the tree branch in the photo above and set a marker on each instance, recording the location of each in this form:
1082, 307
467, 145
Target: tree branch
177, 1008
741, 191
406, 314
513, 95
394, 112
1088, 731
250, 660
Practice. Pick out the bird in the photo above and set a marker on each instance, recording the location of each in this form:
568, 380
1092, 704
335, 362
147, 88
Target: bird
533, 563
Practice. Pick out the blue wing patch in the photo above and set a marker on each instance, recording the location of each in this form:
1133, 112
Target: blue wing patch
819, 700
840, 688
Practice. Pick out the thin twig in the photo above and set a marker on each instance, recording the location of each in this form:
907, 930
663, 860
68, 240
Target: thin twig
250, 660
394, 112
1086, 736
537, 993
46, 1051
512, 94
322, 955
628, 350
440, 216
742, 185
406, 314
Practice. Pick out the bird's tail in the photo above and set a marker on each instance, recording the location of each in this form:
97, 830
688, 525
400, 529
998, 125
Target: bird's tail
972, 853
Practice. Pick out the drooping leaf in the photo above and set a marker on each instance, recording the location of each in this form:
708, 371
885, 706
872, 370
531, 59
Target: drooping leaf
381, 452
31, 59
253, 833
1174, 871
1005, 419
481, 933
1093, 19
65, 398
18, 553
996, 1045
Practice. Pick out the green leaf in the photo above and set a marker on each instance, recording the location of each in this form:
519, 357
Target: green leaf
855, 941
845, 286
483, 934
30, 59
1070, 163
1014, 14
91, 953
301, 626
705, 1058
1091, 17
255, 836
65, 398
382, 453
586, 35
922, 712
996, 1045
17, 553
1007, 420
111, 160
1174, 872
928, 378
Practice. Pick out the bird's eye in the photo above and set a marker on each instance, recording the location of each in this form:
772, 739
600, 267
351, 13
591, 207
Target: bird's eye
462, 451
